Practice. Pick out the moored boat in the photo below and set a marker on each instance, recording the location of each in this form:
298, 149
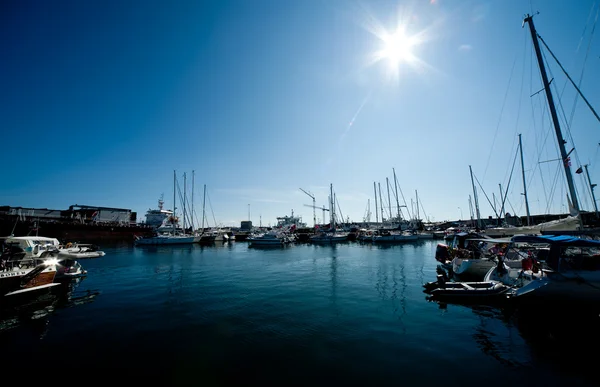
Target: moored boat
442, 289
271, 238
20, 274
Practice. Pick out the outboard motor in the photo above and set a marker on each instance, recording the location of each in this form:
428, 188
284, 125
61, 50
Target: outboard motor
442, 254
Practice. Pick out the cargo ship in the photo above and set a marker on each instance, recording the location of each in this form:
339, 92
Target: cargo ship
78, 223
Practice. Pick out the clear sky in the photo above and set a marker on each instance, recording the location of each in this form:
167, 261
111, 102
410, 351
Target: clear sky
102, 100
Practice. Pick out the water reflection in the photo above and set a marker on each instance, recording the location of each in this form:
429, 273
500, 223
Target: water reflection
334, 277
528, 333
170, 250
34, 310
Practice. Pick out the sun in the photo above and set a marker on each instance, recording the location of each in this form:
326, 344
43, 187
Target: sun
397, 48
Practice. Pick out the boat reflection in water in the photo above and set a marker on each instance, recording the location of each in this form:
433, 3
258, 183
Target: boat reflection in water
34, 310
558, 334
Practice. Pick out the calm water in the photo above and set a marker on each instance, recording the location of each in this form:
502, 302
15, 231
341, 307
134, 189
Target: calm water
302, 315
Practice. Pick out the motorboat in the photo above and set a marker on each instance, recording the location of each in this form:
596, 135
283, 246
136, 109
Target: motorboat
79, 251
66, 256
558, 267
388, 236
22, 274
167, 239
325, 237
481, 254
270, 238
442, 289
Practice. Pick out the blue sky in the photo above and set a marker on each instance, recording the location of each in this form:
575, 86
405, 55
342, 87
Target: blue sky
103, 100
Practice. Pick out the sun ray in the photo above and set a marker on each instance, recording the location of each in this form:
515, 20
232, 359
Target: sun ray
398, 46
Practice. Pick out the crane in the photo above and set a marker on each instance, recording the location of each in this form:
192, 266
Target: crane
313, 206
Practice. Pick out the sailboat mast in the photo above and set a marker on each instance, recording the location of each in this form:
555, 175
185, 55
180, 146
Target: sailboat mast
396, 189
331, 208
561, 142
387, 182
592, 186
381, 202
417, 199
524, 185
376, 214
184, 199
193, 173
174, 206
203, 207
501, 211
475, 198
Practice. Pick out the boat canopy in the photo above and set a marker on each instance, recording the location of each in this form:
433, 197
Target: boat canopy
567, 240
490, 240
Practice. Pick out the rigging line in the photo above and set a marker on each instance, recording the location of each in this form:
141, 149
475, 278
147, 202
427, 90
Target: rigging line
487, 197
403, 199
397, 199
501, 112
586, 25
585, 59
502, 209
512, 208
515, 137
553, 188
595, 156
550, 130
570, 79
576, 186
423, 208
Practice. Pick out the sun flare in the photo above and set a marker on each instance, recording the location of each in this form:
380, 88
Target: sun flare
397, 48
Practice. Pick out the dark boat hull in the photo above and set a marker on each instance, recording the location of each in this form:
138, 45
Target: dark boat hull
73, 231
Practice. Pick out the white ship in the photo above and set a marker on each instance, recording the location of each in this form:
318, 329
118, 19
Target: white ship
156, 218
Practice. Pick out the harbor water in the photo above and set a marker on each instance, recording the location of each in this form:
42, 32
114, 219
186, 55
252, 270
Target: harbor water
230, 314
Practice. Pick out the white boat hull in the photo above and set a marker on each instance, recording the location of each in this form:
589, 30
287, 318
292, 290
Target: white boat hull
80, 255
570, 223
472, 267
395, 238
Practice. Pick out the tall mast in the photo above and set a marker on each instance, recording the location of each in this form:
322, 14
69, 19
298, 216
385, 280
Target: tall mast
417, 199
174, 206
387, 182
502, 205
471, 210
396, 188
475, 198
376, 214
380, 202
561, 142
193, 172
184, 199
204, 208
592, 186
331, 208
524, 185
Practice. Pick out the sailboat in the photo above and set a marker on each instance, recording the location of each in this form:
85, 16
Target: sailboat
172, 236
567, 224
569, 269
573, 222
332, 235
